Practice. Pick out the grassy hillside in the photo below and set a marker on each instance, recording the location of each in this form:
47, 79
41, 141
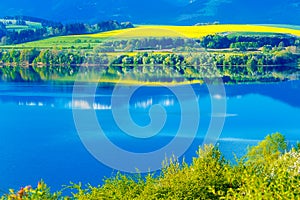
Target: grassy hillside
90, 40
296, 27
12, 25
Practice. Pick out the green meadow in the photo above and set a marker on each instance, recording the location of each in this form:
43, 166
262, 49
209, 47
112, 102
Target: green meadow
89, 41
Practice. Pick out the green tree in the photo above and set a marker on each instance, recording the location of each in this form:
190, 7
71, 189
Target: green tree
267, 150
281, 45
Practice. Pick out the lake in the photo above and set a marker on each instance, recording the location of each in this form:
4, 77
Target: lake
49, 133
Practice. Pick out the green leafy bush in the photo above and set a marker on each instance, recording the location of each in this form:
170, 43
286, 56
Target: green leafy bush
267, 171
41, 192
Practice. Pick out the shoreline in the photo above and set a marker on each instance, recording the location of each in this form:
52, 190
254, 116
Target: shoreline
135, 82
106, 82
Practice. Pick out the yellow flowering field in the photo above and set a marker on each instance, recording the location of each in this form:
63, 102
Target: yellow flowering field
192, 31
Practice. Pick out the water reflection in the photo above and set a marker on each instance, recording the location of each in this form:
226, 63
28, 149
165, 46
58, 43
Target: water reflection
31, 103
144, 104
58, 95
62, 99
286, 92
166, 101
37, 123
144, 73
85, 105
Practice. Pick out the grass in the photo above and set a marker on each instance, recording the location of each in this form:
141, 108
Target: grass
116, 54
91, 40
13, 26
83, 41
296, 27
17, 27
34, 24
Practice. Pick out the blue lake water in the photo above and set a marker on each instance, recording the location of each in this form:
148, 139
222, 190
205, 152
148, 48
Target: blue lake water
39, 139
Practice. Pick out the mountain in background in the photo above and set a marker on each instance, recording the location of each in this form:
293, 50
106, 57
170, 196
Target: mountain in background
180, 12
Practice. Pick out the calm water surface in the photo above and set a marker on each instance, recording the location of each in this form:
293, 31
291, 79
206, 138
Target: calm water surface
38, 138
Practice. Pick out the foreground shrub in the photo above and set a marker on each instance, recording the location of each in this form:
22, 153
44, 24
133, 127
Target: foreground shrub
42, 191
267, 171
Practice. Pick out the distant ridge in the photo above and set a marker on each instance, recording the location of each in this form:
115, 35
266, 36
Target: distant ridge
180, 12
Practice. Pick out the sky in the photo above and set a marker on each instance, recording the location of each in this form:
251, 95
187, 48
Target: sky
181, 12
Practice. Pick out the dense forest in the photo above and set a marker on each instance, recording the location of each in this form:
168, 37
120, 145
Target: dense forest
47, 29
146, 67
74, 57
238, 42
244, 42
